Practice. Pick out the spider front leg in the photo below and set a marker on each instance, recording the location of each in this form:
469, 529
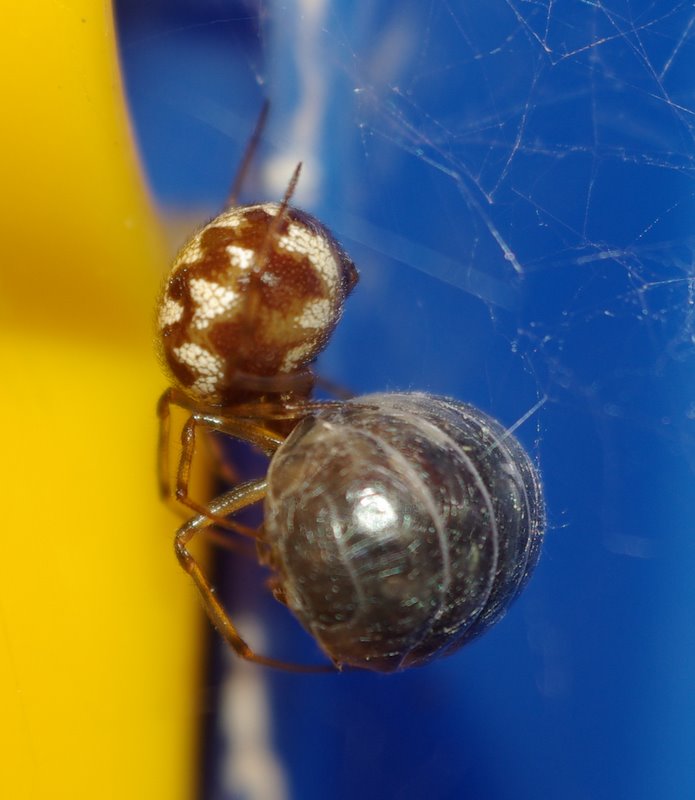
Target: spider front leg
169, 398
243, 430
237, 498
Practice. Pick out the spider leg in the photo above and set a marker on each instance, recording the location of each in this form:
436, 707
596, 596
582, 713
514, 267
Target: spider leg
227, 472
333, 388
237, 498
248, 156
244, 430
289, 411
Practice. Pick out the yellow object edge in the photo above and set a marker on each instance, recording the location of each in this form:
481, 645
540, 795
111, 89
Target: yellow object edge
98, 628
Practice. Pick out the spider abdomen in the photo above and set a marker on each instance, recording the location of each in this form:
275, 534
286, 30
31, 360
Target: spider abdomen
401, 526
256, 293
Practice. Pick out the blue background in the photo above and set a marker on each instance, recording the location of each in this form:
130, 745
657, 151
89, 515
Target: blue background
515, 182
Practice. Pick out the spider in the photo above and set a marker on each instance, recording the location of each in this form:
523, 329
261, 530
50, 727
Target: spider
397, 526
249, 302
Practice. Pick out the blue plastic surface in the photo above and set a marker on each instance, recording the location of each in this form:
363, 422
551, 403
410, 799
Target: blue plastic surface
515, 182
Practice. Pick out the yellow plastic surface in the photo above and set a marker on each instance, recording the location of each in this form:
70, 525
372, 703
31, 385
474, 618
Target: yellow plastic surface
98, 626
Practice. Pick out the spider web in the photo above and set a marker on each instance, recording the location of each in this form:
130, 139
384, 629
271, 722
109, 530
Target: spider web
563, 177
